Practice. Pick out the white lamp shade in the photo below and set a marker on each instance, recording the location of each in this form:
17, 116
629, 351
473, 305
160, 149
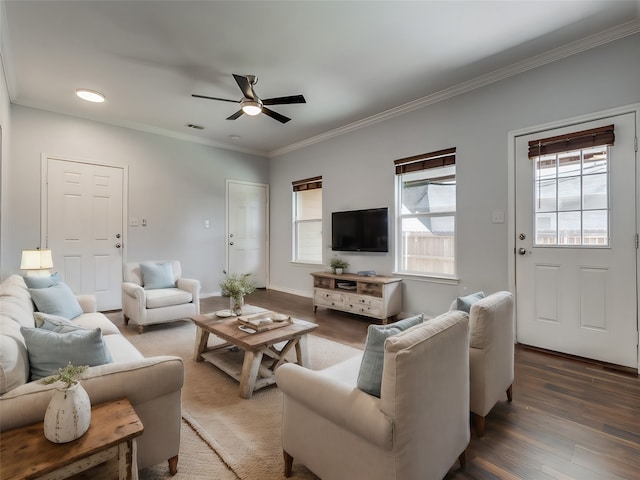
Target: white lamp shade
36, 260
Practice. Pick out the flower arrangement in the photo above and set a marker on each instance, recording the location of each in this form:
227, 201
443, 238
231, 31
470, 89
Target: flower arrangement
69, 375
237, 285
337, 262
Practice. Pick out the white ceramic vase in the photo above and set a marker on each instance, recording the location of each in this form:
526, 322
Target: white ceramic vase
68, 415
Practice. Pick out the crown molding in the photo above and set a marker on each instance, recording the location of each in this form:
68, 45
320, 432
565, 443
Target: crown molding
150, 129
587, 43
187, 138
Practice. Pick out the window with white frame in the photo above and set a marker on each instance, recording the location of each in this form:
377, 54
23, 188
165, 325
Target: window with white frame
426, 214
307, 220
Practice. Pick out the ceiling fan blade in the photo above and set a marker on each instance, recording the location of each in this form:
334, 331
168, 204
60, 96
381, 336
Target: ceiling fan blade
245, 86
215, 98
284, 100
275, 115
235, 115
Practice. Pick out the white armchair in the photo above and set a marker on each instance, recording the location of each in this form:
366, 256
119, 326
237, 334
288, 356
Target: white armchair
418, 427
165, 298
491, 354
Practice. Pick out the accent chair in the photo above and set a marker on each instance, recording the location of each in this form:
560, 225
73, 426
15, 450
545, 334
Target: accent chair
491, 354
417, 428
155, 292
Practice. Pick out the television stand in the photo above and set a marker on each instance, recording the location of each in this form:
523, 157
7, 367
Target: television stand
376, 296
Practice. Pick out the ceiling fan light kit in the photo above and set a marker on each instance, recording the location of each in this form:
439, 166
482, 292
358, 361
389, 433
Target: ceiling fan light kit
251, 104
251, 107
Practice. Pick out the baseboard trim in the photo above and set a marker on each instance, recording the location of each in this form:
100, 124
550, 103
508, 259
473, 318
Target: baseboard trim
300, 293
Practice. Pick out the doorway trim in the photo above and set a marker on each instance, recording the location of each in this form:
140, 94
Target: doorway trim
511, 191
44, 195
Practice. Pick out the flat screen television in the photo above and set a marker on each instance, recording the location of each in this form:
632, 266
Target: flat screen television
360, 230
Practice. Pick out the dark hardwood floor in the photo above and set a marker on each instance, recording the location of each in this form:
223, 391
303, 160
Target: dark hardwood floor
569, 419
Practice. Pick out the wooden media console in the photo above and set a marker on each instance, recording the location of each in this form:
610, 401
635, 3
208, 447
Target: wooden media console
375, 296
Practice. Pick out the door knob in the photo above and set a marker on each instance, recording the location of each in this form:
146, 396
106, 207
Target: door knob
230, 243
522, 251
118, 245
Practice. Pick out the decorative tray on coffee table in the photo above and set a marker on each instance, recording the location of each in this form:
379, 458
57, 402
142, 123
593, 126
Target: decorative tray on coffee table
263, 321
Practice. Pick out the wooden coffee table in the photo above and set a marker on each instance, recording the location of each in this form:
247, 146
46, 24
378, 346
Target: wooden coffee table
254, 374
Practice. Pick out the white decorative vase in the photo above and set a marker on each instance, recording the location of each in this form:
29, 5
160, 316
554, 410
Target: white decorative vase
338, 271
68, 415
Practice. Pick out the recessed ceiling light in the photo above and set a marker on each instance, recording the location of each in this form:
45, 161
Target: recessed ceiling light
90, 95
234, 137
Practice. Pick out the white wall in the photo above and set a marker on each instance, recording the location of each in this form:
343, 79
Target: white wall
357, 168
5, 126
175, 185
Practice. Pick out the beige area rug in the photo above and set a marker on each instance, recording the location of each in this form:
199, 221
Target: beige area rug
245, 434
198, 459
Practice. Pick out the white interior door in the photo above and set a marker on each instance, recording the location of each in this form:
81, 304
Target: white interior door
576, 261
85, 226
247, 230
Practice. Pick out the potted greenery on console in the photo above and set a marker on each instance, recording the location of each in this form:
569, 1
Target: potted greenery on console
68, 415
236, 286
338, 265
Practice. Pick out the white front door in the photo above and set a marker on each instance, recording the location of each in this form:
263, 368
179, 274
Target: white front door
575, 243
84, 227
247, 230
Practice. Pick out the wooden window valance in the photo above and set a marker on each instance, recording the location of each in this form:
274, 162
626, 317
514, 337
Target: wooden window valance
441, 158
594, 137
307, 184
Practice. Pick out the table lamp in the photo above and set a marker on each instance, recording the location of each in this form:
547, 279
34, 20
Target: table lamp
36, 262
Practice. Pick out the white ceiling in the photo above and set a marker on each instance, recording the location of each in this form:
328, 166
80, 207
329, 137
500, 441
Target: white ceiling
354, 61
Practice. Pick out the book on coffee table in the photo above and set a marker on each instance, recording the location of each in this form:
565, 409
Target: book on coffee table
263, 321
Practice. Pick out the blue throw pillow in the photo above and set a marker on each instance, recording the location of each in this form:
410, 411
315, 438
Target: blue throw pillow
464, 303
50, 351
157, 275
56, 300
41, 282
370, 374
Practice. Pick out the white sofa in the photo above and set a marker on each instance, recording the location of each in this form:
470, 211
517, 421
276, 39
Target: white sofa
153, 385
159, 305
418, 427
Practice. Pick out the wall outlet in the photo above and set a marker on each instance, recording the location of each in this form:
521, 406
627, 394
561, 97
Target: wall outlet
206, 224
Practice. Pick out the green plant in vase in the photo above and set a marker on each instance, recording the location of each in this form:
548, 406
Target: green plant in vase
338, 265
69, 375
236, 286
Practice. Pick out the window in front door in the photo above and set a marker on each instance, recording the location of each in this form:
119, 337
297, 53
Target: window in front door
572, 198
